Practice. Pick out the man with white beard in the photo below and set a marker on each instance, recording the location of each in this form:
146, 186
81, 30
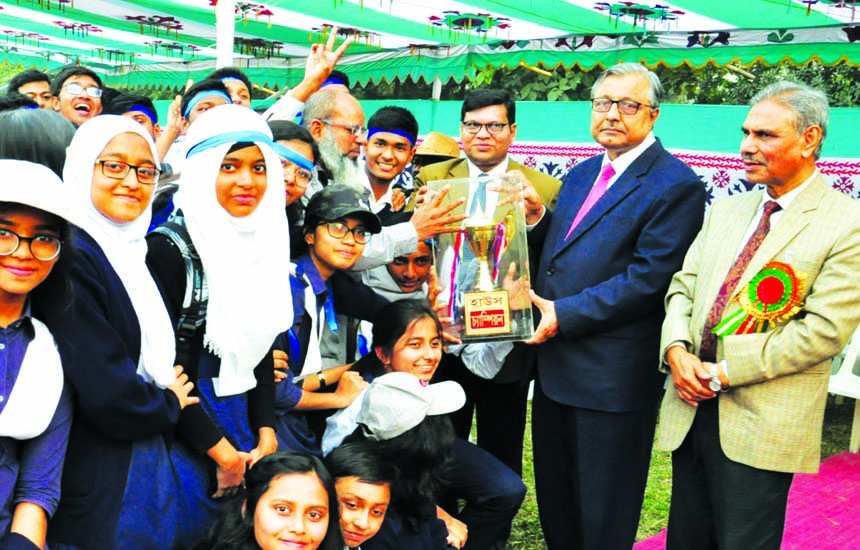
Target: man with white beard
335, 119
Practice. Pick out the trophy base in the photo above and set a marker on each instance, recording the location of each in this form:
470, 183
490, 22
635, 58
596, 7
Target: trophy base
487, 313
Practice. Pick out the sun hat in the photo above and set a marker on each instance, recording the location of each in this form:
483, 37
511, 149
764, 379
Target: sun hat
438, 145
396, 402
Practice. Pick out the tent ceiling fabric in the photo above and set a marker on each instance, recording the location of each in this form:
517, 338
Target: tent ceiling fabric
168, 41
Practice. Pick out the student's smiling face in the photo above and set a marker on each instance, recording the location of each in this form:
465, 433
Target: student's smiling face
292, 513
20, 271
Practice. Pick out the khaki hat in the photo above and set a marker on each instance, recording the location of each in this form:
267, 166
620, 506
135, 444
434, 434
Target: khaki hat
438, 145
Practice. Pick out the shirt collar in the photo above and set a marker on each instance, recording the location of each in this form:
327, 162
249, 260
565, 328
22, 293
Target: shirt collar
307, 267
23, 322
785, 200
498, 170
385, 199
623, 161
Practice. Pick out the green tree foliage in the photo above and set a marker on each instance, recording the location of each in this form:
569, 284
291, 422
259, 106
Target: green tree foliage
8, 70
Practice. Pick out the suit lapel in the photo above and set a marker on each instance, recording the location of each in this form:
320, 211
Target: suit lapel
569, 203
626, 184
793, 221
459, 169
738, 215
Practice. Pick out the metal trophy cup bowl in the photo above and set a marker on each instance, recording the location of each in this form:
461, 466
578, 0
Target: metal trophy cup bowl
480, 235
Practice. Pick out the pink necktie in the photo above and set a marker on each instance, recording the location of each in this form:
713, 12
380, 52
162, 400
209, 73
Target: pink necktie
597, 191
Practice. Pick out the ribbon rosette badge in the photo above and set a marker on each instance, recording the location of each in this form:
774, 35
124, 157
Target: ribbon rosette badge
774, 295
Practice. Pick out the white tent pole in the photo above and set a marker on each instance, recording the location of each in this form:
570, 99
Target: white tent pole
437, 89
225, 29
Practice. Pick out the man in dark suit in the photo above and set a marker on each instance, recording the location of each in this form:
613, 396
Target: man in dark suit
623, 223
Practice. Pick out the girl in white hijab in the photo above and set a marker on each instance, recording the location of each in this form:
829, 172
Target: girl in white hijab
117, 347
230, 214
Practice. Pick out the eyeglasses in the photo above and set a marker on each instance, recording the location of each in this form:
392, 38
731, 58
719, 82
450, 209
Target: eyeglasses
492, 127
354, 129
43, 247
339, 230
625, 106
299, 175
118, 169
77, 89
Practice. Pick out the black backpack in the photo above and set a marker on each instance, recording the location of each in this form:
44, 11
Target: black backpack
196, 297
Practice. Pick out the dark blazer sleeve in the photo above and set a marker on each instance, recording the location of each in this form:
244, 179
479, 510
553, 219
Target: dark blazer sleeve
99, 341
354, 298
261, 399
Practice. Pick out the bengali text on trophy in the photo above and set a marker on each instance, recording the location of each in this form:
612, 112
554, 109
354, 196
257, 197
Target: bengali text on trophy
482, 269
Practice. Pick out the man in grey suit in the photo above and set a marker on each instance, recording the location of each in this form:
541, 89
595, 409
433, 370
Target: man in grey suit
768, 294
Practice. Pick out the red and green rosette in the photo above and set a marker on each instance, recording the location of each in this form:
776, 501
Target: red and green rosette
774, 295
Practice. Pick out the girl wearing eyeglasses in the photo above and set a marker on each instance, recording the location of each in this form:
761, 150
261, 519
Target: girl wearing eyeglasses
116, 343
300, 180
221, 263
35, 404
337, 225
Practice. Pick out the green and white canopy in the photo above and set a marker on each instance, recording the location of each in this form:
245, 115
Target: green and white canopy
168, 41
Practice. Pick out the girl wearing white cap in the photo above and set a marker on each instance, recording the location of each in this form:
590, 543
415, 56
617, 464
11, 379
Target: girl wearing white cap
116, 343
35, 405
404, 414
221, 264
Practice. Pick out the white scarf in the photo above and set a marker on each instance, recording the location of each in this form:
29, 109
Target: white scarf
123, 244
246, 260
36, 394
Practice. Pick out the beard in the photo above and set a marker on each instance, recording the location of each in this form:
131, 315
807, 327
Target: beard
342, 168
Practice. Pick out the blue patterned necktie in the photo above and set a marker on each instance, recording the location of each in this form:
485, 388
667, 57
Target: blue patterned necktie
480, 197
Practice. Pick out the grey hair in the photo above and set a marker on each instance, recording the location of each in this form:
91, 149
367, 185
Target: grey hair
319, 105
809, 105
654, 84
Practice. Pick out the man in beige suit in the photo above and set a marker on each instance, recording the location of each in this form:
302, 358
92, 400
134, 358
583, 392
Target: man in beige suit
744, 410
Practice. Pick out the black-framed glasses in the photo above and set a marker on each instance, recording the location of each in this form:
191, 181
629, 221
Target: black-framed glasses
625, 106
340, 230
299, 175
492, 127
43, 247
118, 169
354, 129
77, 89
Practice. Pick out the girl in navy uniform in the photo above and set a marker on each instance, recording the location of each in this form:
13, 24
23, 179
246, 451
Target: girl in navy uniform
221, 263
35, 404
116, 343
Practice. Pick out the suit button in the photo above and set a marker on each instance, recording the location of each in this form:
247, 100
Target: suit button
550, 271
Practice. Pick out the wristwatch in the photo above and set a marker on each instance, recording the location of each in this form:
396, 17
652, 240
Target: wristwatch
715, 385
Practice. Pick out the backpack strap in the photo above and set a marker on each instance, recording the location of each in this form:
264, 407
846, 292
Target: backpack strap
196, 293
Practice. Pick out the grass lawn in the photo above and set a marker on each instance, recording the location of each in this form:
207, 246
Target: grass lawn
527, 534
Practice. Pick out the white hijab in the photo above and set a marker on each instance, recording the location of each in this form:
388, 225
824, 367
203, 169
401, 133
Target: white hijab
246, 260
124, 244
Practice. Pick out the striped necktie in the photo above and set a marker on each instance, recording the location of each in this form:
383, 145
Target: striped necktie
708, 349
